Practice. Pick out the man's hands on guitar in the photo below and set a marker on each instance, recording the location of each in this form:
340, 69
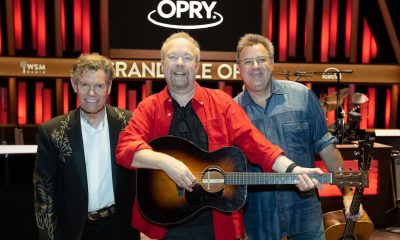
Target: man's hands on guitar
179, 173
305, 183
175, 169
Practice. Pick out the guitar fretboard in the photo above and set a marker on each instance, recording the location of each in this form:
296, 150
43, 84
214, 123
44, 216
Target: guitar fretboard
354, 209
244, 178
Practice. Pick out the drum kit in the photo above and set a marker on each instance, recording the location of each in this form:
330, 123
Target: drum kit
345, 131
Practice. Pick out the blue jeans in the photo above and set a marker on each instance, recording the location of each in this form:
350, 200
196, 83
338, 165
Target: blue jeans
310, 234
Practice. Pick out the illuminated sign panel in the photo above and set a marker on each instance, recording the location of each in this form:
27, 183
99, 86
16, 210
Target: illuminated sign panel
217, 25
186, 10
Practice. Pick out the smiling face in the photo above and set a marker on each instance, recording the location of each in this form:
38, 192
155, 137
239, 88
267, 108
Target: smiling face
180, 65
92, 90
256, 68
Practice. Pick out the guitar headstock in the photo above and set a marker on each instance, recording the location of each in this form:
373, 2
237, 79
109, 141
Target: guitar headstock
364, 153
352, 179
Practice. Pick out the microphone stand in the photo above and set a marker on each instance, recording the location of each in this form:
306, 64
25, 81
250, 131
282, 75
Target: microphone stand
298, 75
339, 122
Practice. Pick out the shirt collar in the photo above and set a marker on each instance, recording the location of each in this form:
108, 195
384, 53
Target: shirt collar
276, 87
197, 97
86, 123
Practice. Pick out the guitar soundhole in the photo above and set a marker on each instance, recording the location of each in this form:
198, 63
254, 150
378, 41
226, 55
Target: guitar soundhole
212, 179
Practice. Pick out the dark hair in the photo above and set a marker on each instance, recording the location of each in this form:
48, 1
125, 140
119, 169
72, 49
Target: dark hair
251, 39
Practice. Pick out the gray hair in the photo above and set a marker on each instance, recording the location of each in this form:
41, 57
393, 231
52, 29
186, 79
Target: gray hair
183, 35
92, 62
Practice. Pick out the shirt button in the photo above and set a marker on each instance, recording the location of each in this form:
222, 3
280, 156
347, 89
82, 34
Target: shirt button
169, 114
201, 103
169, 100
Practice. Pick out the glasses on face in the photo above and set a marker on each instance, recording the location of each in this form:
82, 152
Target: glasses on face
258, 59
98, 88
175, 58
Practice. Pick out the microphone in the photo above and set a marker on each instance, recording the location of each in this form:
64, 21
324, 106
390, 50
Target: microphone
300, 73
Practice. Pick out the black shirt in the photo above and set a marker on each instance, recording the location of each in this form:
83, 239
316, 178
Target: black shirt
186, 124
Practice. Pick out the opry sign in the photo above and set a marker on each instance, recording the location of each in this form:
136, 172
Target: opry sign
199, 14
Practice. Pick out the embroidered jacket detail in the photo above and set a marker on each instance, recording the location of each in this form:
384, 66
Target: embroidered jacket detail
60, 139
45, 216
121, 116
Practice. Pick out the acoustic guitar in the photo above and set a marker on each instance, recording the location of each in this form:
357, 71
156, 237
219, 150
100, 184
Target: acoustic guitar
335, 223
221, 182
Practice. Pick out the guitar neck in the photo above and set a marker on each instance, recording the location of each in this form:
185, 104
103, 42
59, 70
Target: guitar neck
245, 178
354, 209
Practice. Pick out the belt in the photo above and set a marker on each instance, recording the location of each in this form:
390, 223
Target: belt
101, 213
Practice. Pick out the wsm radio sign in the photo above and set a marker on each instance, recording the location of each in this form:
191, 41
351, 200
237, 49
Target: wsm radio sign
32, 68
185, 14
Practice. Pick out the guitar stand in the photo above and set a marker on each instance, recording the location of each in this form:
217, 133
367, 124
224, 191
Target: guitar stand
396, 228
396, 222
393, 229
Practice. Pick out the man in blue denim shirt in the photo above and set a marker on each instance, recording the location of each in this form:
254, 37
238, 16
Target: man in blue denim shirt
290, 116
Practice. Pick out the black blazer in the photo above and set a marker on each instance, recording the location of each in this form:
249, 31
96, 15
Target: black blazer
59, 177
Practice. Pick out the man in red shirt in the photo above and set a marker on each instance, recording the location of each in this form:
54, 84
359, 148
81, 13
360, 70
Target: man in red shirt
209, 118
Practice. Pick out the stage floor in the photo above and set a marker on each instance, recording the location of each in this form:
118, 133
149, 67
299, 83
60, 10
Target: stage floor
378, 234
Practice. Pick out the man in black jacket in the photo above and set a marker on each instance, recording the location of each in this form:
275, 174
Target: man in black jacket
80, 192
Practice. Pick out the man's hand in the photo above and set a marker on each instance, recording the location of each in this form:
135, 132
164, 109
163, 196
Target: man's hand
347, 199
305, 183
175, 169
179, 173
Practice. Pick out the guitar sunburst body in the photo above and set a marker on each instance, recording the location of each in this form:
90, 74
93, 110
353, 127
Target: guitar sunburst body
221, 182
335, 222
167, 204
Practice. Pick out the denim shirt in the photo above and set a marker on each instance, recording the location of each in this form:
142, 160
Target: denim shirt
293, 119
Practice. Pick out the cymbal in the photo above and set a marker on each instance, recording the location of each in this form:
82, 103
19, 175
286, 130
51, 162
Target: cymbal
333, 96
354, 114
359, 98
329, 102
327, 107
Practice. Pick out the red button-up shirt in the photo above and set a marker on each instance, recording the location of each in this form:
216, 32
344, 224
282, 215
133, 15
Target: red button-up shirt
225, 123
